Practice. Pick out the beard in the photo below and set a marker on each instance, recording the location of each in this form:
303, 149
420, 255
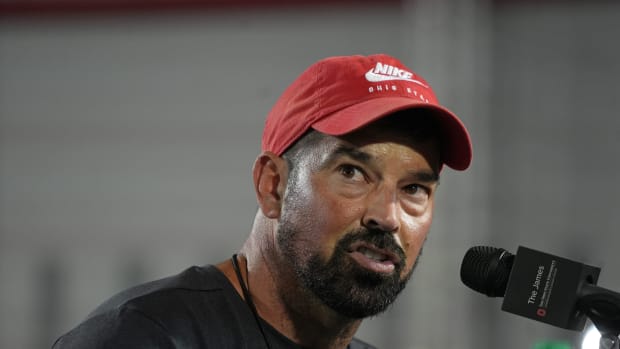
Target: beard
339, 282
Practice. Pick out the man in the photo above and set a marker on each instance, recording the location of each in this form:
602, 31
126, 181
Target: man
345, 184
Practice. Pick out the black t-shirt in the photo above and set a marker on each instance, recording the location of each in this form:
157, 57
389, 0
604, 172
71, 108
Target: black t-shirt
197, 308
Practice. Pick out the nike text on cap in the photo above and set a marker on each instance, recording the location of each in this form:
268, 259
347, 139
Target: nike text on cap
338, 95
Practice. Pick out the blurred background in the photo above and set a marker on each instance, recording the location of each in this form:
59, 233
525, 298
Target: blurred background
128, 131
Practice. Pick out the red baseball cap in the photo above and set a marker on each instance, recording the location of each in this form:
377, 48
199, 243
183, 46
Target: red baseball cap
338, 95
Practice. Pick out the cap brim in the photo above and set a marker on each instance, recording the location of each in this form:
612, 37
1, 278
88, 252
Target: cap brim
456, 145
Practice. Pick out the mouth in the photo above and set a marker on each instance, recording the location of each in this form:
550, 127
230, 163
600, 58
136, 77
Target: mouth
373, 258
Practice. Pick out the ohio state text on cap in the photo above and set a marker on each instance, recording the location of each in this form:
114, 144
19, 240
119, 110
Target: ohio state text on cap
338, 95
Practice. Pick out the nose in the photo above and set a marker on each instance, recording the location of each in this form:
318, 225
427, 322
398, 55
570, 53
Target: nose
382, 211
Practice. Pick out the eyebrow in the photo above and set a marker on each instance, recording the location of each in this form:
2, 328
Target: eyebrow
426, 176
345, 150
363, 157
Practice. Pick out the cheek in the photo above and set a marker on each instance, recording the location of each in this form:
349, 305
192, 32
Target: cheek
414, 236
332, 217
308, 214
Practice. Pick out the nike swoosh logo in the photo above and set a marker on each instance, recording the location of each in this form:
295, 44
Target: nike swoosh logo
374, 77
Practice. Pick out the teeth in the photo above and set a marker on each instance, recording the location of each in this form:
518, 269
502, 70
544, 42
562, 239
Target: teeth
372, 254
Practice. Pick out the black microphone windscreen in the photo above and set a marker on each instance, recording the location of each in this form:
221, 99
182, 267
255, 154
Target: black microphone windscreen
534, 284
486, 270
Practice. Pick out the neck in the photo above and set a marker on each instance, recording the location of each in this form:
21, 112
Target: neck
284, 304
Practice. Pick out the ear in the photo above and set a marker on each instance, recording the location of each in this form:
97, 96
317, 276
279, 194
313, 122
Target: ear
270, 173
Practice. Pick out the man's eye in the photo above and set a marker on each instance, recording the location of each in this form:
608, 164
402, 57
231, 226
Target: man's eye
415, 189
350, 171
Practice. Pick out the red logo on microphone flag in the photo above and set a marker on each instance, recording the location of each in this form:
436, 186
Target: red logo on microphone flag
542, 312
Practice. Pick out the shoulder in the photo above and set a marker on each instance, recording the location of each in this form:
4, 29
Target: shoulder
157, 314
193, 279
358, 344
122, 328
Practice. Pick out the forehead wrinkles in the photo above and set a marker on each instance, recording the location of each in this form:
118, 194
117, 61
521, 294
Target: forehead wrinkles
401, 143
377, 152
369, 144
380, 152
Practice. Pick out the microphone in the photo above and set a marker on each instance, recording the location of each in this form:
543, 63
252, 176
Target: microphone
542, 287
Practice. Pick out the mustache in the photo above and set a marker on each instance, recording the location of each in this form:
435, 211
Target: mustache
381, 239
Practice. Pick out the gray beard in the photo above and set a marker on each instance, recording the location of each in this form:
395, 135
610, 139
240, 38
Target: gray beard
339, 282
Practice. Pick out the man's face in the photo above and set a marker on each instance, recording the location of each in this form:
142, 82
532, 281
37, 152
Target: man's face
356, 213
